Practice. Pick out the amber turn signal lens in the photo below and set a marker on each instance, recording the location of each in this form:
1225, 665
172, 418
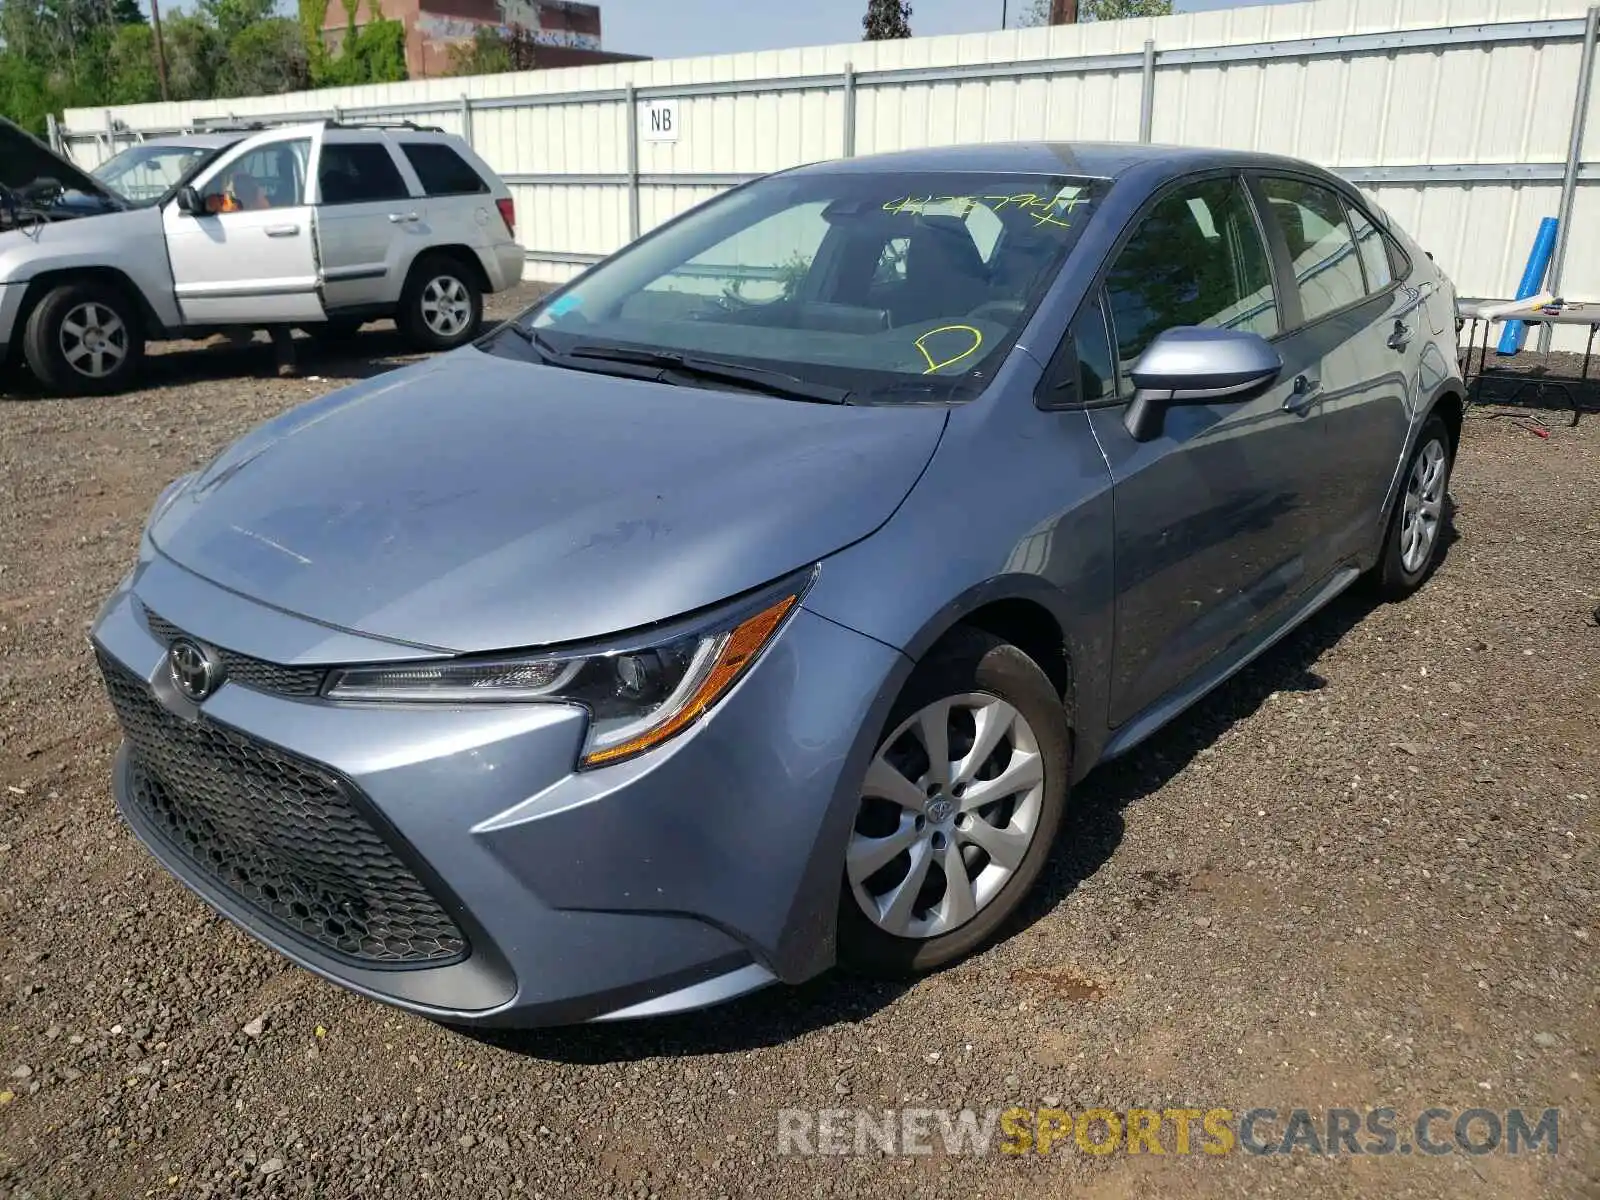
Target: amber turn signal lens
738, 651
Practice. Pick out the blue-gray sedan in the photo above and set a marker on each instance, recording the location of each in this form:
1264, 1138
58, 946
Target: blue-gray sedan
752, 603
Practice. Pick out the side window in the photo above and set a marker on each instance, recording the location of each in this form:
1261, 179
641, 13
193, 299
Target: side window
442, 171
1374, 250
270, 176
358, 173
1322, 250
1196, 259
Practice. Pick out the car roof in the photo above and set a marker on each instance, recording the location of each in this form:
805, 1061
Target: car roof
1100, 160
204, 141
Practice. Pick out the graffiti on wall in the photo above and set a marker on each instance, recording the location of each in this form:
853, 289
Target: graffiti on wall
547, 24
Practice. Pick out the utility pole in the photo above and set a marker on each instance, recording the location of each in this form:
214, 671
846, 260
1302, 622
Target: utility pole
161, 50
1062, 12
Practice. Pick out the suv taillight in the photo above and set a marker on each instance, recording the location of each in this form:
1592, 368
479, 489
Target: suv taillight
508, 214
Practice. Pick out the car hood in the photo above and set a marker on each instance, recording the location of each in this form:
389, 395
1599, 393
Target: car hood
28, 167
476, 503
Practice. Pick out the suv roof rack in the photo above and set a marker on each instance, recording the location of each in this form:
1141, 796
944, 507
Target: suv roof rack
382, 124
232, 126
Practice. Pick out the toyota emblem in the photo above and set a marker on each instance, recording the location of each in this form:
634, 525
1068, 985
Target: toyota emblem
194, 670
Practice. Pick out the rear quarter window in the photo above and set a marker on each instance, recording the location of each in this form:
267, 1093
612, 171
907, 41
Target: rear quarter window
442, 171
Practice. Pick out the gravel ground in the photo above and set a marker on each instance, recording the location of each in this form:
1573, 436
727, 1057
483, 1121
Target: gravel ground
1364, 873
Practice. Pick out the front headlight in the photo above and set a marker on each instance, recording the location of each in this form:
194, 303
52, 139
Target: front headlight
639, 694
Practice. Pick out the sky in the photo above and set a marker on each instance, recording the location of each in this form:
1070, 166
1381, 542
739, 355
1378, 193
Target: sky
684, 28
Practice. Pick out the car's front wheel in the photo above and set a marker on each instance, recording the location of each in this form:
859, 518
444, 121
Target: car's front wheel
1416, 529
84, 339
442, 305
958, 810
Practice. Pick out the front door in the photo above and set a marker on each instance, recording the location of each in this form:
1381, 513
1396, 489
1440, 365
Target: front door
369, 226
1215, 526
249, 258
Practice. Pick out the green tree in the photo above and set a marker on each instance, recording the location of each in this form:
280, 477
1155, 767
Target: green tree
130, 76
194, 55
265, 59
886, 19
1099, 10
371, 53
233, 17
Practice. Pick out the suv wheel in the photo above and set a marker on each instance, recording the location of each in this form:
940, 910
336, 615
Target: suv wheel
1411, 547
442, 305
958, 810
84, 339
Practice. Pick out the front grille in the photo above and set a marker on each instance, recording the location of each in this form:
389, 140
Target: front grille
249, 672
282, 835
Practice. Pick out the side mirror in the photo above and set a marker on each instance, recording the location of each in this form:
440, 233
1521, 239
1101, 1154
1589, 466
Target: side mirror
189, 201
1192, 365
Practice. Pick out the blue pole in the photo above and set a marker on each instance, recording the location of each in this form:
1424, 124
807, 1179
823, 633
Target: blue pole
1544, 246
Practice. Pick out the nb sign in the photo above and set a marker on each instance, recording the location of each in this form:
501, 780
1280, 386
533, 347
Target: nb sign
658, 121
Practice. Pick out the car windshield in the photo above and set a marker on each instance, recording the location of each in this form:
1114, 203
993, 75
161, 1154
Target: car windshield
863, 282
144, 174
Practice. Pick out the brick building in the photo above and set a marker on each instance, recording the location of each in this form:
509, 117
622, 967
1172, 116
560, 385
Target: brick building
568, 34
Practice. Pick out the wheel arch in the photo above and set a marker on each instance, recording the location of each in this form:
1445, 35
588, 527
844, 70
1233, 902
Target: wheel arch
42, 284
1026, 611
459, 252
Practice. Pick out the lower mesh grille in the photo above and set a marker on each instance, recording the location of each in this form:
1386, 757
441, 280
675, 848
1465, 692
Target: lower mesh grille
278, 833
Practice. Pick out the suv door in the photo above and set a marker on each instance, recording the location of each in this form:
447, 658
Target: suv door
369, 224
249, 257
1362, 335
1213, 533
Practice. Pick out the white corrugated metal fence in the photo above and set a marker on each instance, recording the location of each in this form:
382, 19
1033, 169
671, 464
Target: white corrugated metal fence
1455, 114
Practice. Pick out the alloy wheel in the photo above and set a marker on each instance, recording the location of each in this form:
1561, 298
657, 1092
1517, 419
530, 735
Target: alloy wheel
949, 808
446, 306
93, 339
1424, 507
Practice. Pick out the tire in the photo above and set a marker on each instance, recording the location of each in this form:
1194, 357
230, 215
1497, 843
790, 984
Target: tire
84, 339
442, 305
976, 669
340, 329
1402, 565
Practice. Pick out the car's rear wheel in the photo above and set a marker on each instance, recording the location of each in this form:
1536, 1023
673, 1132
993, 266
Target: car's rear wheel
1416, 529
960, 805
84, 339
442, 305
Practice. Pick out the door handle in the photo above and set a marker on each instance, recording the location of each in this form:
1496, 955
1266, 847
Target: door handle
1401, 337
404, 218
1305, 393
283, 231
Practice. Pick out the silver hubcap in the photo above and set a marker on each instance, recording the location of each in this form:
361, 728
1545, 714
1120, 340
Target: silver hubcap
949, 808
1424, 507
94, 341
446, 307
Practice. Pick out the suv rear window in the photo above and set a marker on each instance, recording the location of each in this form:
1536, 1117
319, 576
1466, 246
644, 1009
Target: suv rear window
442, 171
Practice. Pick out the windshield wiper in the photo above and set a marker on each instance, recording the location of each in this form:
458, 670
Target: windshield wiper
773, 383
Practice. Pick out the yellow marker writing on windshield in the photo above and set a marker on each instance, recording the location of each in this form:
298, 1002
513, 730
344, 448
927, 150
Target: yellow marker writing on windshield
933, 366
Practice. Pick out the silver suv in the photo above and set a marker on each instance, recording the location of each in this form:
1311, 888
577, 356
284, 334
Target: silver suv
322, 226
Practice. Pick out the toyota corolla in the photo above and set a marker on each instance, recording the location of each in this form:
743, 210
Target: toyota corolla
753, 602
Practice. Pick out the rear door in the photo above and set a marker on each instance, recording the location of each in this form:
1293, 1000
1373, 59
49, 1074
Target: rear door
1213, 536
1365, 332
250, 257
369, 223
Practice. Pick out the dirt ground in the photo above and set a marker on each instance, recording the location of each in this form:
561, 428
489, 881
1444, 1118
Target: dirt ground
1366, 873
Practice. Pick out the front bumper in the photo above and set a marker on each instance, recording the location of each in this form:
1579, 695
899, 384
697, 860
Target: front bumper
11, 297
692, 874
